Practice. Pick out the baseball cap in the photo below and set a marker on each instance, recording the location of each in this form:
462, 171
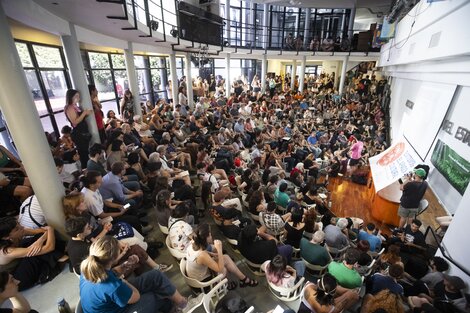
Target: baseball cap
420, 172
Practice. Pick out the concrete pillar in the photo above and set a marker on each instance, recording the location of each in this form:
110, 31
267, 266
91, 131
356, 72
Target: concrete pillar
227, 21
343, 74
293, 73
265, 39
307, 36
77, 74
189, 81
174, 78
228, 82
351, 22
132, 77
17, 105
302, 73
264, 66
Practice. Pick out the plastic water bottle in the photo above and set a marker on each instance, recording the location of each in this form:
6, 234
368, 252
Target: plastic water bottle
63, 306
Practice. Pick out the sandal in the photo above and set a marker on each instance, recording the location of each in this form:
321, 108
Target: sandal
247, 281
232, 285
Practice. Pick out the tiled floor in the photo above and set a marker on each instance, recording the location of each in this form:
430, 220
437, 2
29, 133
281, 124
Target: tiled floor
349, 199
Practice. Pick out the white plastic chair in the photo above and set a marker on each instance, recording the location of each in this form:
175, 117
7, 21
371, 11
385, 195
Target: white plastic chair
255, 268
254, 217
336, 254
196, 284
315, 270
287, 294
163, 229
370, 268
376, 255
177, 254
210, 299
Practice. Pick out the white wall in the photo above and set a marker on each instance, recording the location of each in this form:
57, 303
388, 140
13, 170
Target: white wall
417, 60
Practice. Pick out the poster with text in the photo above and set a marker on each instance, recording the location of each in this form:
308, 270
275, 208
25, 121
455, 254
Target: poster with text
452, 166
392, 164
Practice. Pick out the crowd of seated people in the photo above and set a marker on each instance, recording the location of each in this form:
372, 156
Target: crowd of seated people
269, 155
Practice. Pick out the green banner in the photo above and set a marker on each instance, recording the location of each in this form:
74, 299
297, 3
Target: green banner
452, 166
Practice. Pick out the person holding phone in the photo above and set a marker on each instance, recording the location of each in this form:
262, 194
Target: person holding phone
414, 187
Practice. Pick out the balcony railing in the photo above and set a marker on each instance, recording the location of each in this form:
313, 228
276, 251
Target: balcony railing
161, 18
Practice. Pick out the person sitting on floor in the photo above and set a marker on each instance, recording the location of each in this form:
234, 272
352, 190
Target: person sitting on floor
102, 291
9, 291
132, 258
30, 255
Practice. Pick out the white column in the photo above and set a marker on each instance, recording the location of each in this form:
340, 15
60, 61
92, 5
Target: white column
343, 74
265, 39
264, 66
189, 81
308, 14
293, 73
77, 74
302, 73
227, 21
174, 79
132, 77
17, 105
351, 22
228, 84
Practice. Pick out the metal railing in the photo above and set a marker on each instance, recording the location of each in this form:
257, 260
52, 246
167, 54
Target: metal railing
444, 251
247, 36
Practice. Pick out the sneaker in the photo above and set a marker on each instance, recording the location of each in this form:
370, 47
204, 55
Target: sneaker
193, 303
162, 267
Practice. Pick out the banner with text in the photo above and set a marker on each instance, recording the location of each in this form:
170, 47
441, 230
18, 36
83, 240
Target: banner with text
390, 165
452, 166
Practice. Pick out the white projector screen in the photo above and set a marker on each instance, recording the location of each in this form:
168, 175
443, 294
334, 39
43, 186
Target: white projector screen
421, 123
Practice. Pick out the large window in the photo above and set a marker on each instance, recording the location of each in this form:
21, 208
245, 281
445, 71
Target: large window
107, 72
48, 81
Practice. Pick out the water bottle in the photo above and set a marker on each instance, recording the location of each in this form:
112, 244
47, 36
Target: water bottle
63, 306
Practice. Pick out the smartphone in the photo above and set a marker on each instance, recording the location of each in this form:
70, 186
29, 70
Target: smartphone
126, 206
400, 181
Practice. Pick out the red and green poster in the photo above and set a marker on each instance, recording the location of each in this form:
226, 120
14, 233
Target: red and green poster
452, 166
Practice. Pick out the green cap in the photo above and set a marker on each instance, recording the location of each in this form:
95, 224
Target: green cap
420, 172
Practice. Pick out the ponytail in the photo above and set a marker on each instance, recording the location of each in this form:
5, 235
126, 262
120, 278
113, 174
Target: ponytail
326, 290
200, 236
102, 253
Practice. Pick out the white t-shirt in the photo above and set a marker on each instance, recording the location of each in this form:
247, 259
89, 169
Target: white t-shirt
180, 234
213, 180
93, 201
31, 207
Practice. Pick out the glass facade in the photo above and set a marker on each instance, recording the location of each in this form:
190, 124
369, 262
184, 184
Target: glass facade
48, 81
